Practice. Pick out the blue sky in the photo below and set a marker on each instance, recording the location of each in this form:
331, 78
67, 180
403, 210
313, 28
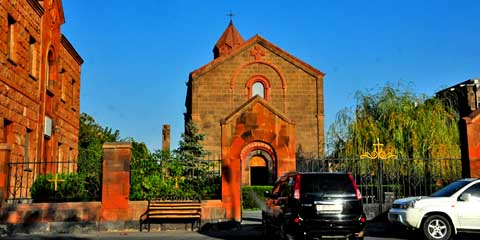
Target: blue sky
138, 54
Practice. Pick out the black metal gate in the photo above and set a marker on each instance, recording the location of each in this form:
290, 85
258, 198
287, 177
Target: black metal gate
381, 180
21, 176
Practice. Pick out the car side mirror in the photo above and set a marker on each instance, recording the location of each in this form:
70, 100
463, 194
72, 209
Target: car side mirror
466, 197
267, 194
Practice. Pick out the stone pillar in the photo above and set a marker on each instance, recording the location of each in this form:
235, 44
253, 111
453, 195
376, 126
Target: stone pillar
473, 144
116, 181
166, 137
4, 160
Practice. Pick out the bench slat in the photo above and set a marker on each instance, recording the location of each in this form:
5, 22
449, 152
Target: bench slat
173, 211
173, 207
175, 216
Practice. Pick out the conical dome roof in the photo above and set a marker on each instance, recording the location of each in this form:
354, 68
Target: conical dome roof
229, 40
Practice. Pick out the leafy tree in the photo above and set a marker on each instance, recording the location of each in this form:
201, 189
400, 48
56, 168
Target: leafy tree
412, 126
92, 136
181, 175
145, 173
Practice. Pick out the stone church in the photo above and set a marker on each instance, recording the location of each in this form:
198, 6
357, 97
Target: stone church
259, 107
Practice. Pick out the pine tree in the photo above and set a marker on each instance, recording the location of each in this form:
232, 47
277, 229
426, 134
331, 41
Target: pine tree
190, 148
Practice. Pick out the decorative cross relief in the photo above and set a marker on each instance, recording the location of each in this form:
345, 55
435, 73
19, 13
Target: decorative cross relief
55, 181
257, 52
378, 153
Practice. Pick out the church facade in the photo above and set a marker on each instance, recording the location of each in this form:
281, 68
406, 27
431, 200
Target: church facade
260, 107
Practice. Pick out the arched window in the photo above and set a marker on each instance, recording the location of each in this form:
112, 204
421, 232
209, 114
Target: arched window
258, 89
50, 71
258, 85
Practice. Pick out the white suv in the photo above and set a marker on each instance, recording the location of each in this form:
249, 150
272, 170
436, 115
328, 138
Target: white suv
454, 208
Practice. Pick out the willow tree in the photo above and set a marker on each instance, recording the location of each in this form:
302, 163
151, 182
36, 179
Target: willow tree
411, 126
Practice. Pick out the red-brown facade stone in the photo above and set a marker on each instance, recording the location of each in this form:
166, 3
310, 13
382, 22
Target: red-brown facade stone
39, 78
52, 212
255, 129
116, 181
114, 207
218, 88
4, 157
473, 142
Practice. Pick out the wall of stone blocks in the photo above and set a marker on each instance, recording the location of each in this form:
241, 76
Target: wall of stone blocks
473, 144
299, 96
23, 91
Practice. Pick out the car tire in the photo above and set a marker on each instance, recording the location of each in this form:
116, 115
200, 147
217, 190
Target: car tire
437, 227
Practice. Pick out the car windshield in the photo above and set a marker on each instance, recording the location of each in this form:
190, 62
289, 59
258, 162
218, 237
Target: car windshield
450, 189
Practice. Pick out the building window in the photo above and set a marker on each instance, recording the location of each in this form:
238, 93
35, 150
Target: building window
60, 163
50, 73
73, 95
63, 82
27, 145
11, 38
28, 149
258, 85
33, 57
7, 134
71, 160
258, 89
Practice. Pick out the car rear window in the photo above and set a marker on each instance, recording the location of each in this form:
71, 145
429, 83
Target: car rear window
326, 184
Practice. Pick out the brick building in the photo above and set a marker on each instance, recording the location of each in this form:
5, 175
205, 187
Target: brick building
465, 98
259, 107
39, 94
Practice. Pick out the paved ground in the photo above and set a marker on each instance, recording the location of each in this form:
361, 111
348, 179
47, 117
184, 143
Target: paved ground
250, 229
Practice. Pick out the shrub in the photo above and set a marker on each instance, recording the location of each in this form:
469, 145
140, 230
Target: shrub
252, 196
70, 188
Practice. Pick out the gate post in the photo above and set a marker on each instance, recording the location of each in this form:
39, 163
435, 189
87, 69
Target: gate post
116, 181
4, 160
471, 162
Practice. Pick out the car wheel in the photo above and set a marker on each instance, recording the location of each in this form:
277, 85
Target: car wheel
437, 227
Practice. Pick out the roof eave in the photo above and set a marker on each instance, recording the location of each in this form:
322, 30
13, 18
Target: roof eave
251, 101
257, 38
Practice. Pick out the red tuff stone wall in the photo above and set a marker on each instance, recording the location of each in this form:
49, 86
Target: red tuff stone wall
51, 212
473, 142
295, 88
4, 157
212, 211
255, 126
27, 96
116, 181
115, 206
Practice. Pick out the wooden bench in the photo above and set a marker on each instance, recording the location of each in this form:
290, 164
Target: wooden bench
165, 210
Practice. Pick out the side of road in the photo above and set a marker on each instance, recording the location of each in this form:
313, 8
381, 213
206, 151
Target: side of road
250, 228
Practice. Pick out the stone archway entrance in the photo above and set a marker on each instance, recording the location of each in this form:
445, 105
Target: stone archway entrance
258, 145
258, 164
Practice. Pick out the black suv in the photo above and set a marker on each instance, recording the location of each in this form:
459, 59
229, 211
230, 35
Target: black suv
306, 205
